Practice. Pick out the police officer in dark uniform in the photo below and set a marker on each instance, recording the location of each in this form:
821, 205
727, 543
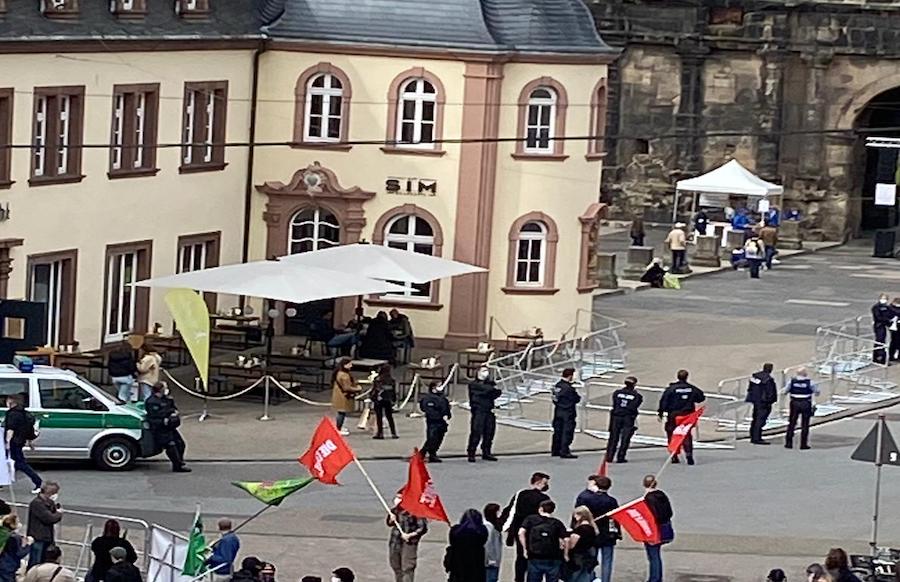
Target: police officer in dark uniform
762, 393
163, 418
482, 394
565, 397
679, 399
882, 315
625, 404
801, 390
437, 412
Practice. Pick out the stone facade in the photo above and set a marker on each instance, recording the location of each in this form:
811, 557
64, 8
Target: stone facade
779, 86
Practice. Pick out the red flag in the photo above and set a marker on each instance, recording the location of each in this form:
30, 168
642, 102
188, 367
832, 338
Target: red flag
328, 453
419, 497
602, 469
683, 429
637, 519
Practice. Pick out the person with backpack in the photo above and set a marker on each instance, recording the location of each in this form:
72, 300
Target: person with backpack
20, 430
544, 539
755, 253
50, 569
523, 505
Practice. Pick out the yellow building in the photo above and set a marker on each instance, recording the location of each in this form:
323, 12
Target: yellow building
434, 127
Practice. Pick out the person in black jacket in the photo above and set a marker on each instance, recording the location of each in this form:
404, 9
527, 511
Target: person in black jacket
122, 569
679, 399
658, 503
437, 412
565, 398
597, 498
882, 315
482, 394
123, 370
762, 393
18, 431
103, 546
523, 504
464, 559
384, 395
622, 417
43, 513
163, 418
378, 341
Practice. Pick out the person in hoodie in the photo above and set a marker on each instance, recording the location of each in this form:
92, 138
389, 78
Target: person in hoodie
762, 393
565, 398
482, 394
679, 399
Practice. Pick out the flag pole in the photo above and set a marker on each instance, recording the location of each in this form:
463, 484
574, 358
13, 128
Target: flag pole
251, 518
378, 494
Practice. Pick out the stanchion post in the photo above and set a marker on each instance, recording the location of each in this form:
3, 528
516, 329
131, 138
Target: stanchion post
265, 415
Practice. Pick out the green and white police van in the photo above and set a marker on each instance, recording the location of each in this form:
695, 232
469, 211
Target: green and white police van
77, 420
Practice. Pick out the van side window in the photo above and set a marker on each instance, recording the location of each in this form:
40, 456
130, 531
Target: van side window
10, 386
64, 395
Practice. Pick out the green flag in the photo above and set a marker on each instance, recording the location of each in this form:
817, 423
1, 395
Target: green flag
195, 557
273, 492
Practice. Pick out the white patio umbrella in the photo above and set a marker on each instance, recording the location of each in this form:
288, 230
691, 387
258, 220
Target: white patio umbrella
383, 262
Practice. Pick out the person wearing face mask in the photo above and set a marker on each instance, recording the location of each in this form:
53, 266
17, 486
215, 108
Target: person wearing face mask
14, 550
801, 390
894, 328
482, 394
525, 503
565, 398
343, 575
882, 316
597, 499
437, 413
625, 404
44, 512
164, 420
403, 545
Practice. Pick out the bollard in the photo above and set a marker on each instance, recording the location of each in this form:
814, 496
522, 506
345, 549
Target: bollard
707, 252
265, 415
638, 259
606, 271
789, 235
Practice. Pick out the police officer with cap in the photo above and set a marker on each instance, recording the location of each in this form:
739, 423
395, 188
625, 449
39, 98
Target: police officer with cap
625, 404
801, 390
882, 315
482, 394
762, 393
436, 408
565, 398
679, 399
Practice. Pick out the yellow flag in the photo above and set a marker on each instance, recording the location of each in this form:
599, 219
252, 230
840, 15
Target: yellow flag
192, 320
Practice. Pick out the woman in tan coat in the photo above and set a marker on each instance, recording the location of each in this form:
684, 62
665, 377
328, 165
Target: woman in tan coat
343, 389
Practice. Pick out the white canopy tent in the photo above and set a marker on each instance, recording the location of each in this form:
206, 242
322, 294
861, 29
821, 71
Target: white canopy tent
729, 179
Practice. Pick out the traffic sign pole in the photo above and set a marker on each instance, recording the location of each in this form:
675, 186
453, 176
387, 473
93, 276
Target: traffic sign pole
878, 463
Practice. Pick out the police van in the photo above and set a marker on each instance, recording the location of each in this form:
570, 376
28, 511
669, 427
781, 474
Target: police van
77, 420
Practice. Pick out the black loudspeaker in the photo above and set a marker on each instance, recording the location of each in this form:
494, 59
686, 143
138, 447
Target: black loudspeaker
23, 326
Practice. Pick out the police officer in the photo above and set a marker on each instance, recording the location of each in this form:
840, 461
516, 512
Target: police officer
437, 412
882, 314
625, 404
163, 418
679, 399
565, 397
762, 393
801, 391
482, 394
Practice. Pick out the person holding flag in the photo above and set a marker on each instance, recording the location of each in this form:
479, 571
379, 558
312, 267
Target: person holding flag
680, 399
598, 500
661, 510
403, 545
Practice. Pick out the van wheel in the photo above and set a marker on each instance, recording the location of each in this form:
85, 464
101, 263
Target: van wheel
115, 454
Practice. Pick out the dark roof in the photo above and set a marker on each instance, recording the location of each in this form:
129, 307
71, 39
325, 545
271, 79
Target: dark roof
549, 26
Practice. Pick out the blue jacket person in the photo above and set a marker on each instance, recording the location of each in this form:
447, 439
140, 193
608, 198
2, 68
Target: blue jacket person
762, 393
565, 398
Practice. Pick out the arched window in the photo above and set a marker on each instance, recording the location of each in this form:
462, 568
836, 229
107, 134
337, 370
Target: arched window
417, 113
412, 233
533, 239
313, 229
531, 255
598, 121
324, 105
540, 121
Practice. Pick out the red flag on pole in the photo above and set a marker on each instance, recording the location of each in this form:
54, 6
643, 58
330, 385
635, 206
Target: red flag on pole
419, 497
637, 519
684, 427
328, 453
602, 470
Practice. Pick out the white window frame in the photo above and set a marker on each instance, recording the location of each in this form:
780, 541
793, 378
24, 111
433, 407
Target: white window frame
40, 135
117, 332
410, 239
540, 104
189, 110
531, 238
419, 97
140, 114
327, 93
318, 242
210, 125
118, 130
65, 120
191, 252
54, 297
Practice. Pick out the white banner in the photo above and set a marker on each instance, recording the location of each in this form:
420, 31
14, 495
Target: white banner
885, 194
7, 469
167, 553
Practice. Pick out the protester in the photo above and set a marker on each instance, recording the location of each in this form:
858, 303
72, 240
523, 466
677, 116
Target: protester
267, 573
679, 399
122, 568
582, 546
769, 237
384, 396
598, 500
525, 503
677, 243
882, 316
493, 547
122, 371
164, 420
148, 368
754, 252
894, 328
50, 570
464, 559
224, 552
251, 566
101, 546
622, 418
44, 512
817, 573
343, 390
403, 544
378, 341
343, 575
565, 398
637, 234
19, 431
837, 563
701, 221
801, 390
655, 274
544, 539
658, 503
762, 393
14, 549
437, 414
776, 575
483, 392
